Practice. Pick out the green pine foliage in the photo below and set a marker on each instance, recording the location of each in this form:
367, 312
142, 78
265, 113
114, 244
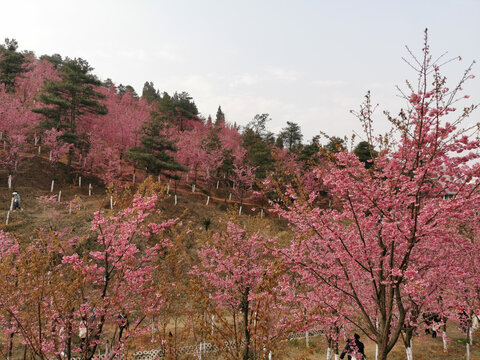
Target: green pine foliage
366, 153
155, 152
12, 64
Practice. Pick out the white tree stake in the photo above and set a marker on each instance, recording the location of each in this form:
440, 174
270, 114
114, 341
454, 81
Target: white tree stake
111, 202
168, 189
70, 208
39, 149
306, 339
218, 183
89, 189
8, 217
59, 195
240, 210
176, 199
230, 197
50, 155
261, 213
11, 205
208, 200
9, 181
193, 188
16, 165
51, 187
270, 355
79, 181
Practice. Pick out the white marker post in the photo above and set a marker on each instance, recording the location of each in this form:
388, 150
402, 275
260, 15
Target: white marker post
51, 187
230, 197
9, 181
176, 199
79, 181
39, 149
111, 202
89, 189
11, 205
218, 183
8, 217
208, 200
240, 210
59, 195
193, 188
168, 189
261, 213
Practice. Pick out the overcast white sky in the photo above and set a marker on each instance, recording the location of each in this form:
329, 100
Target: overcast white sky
304, 61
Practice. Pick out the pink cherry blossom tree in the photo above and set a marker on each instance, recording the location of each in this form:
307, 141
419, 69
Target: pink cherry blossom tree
238, 278
372, 246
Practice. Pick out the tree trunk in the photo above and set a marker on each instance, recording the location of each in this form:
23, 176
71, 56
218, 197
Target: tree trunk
10, 346
407, 341
245, 310
444, 336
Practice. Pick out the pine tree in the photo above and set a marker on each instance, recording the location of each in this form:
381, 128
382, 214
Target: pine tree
149, 93
12, 64
365, 153
220, 117
291, 136
71, 99
155, 153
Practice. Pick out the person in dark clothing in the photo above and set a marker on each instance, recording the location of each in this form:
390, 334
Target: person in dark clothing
16, 201
432, 321
355, 350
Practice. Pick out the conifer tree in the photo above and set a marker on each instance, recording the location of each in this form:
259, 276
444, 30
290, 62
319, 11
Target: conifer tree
70, 99
155, 152
149, 92
220, 117
12, 64
291, 136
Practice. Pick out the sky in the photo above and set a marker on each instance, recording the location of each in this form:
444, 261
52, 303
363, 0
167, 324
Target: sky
304, 61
